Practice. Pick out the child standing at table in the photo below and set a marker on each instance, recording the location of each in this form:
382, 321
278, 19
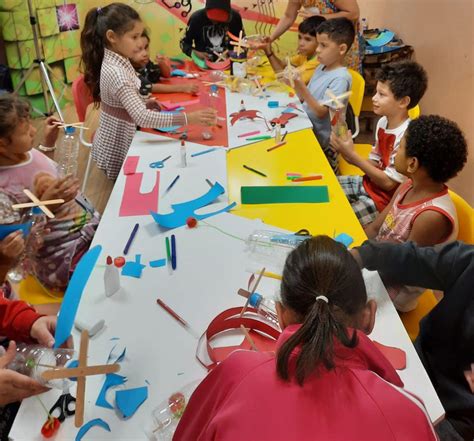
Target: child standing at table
327, 381
111, 36
400, 87
150, 73
334, 37
306, 59
432, 152
68, 236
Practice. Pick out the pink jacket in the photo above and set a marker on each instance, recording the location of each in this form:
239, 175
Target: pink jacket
361, 399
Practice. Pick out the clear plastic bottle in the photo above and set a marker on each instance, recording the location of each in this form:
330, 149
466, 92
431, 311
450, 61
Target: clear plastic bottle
265, 307
68, 153
33, 360
166, 416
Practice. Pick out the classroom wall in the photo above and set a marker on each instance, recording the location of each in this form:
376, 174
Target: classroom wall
441, 33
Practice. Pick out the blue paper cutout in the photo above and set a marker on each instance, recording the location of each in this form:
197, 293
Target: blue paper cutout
344, 238
382, 39
72, 296
168, 129
85, 428
129, 400
178, 73
133, 268
183, 210
157, 263
111, 380
119, 358
115, 338
5, 230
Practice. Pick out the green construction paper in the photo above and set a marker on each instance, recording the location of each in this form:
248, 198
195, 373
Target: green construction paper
197, 61
71, 66
41, 4
53, 49
15, 26
47, 21
32, 86
276, 194
14, 5
20, 54
71, 43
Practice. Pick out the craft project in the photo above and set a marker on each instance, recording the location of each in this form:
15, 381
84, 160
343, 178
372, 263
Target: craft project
290, 73
199, 62
111, 380
245, 114
135, 203
283, 119
93, 423
182, 211
218, 65
38, 203
157, 263
5, 230
73, 294
129, 400
133, 268
284, 195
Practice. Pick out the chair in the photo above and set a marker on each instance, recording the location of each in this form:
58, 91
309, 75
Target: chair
82, 99
427, 301
358, 88
363, 150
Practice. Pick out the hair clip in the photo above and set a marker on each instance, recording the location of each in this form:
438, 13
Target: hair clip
323, 298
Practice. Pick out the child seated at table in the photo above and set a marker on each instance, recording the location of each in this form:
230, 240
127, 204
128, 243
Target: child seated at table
150, 73
54, 245
335, 37
306, 59
327, 379
207, 31
400, 87
432, 151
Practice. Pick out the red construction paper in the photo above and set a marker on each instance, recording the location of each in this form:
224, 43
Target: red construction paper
130, 166
396, 356
135, 203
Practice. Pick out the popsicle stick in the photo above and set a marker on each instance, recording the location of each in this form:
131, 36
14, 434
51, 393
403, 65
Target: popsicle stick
56, 374
81, 381
35, 204
253, 290
248, 338
45, 210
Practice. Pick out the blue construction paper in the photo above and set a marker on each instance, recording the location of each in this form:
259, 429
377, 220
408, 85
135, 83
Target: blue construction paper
119, 358
157, 263
168, 129
183, 210
178, 73
5, 230
129, 400
133, 268
344, 238
85, 428
72, 296
382, 39
111, 380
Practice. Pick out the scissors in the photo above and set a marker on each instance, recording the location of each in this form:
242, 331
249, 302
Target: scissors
66, 405
159, 164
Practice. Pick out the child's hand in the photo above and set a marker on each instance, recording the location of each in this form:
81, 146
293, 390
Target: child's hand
343, 145
51, 131
205, 117
192, 89
13, 245
165, 65
65, 188
263, 43
152, 104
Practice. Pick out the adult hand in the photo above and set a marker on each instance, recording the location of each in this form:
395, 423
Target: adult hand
343, 145
13, 245
192, 89
14, 386
205, 117
262, 43
51, 131
152, 104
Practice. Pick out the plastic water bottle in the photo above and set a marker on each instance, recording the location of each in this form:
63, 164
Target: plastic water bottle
364, 24
68, 153
34, 360
265, 307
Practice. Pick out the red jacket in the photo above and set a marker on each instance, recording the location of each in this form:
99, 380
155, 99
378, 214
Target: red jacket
16, 319
361, 399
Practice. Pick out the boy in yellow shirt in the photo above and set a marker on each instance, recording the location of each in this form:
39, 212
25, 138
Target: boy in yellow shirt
307, 43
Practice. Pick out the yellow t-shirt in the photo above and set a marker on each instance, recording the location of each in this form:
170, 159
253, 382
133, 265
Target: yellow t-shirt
307, 66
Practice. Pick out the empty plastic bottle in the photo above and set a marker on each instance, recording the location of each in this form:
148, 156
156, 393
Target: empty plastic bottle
265, 307
68, 153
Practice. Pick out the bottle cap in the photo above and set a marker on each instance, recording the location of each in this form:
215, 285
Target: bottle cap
255, 299
70, 130
214, 88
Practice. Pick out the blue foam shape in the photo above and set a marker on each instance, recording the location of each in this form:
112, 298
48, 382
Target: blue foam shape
133, 268
72, 296
5, 230
382, 39
157, 263
273, 104
129, 400
111, 380
183, 210
168, 129
178, 73
92, 423
344, 238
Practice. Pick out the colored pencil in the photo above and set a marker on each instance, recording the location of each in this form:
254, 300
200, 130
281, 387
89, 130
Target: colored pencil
308, 178
203, 152
171, 185
173, 251
172, 313
259, 138
168, 250
255, 171
130, 239
244, 135
280, 144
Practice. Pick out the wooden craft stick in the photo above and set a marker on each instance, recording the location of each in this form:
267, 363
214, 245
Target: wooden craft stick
34, 204
280, 144
308, 178
81, 381
76, 124
56, 374
335, 99
45, 210
253, 290
248, 338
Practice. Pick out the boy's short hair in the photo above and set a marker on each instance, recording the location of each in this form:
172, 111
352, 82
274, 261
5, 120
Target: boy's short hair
405, 78
438, 144
310, 25
12, 111
339, 30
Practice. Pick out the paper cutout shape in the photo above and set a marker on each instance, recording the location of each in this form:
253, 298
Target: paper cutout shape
167, 129
130, 165
245, 114
396, 356
72, 296
135, 203
283, 118
129, 400
277, 194
93, 423
133, 268
182, 211
111, 380
119, 358
5, 230
382, 39
157, 263
345, 239
198, 61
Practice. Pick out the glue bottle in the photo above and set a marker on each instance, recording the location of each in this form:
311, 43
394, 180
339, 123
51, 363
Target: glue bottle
111, 278
182, 151
34, 360
166, 416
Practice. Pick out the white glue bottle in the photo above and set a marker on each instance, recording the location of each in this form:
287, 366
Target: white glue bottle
111, 278
182, 151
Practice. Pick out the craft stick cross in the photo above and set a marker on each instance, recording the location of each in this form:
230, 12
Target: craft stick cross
37, 203
336, 99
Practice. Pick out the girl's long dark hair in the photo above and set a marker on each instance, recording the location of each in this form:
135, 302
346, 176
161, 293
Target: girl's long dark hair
319, 267
117, 17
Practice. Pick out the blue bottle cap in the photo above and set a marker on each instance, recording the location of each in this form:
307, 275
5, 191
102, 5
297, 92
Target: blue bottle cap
255, 299
70, 130
214, 88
